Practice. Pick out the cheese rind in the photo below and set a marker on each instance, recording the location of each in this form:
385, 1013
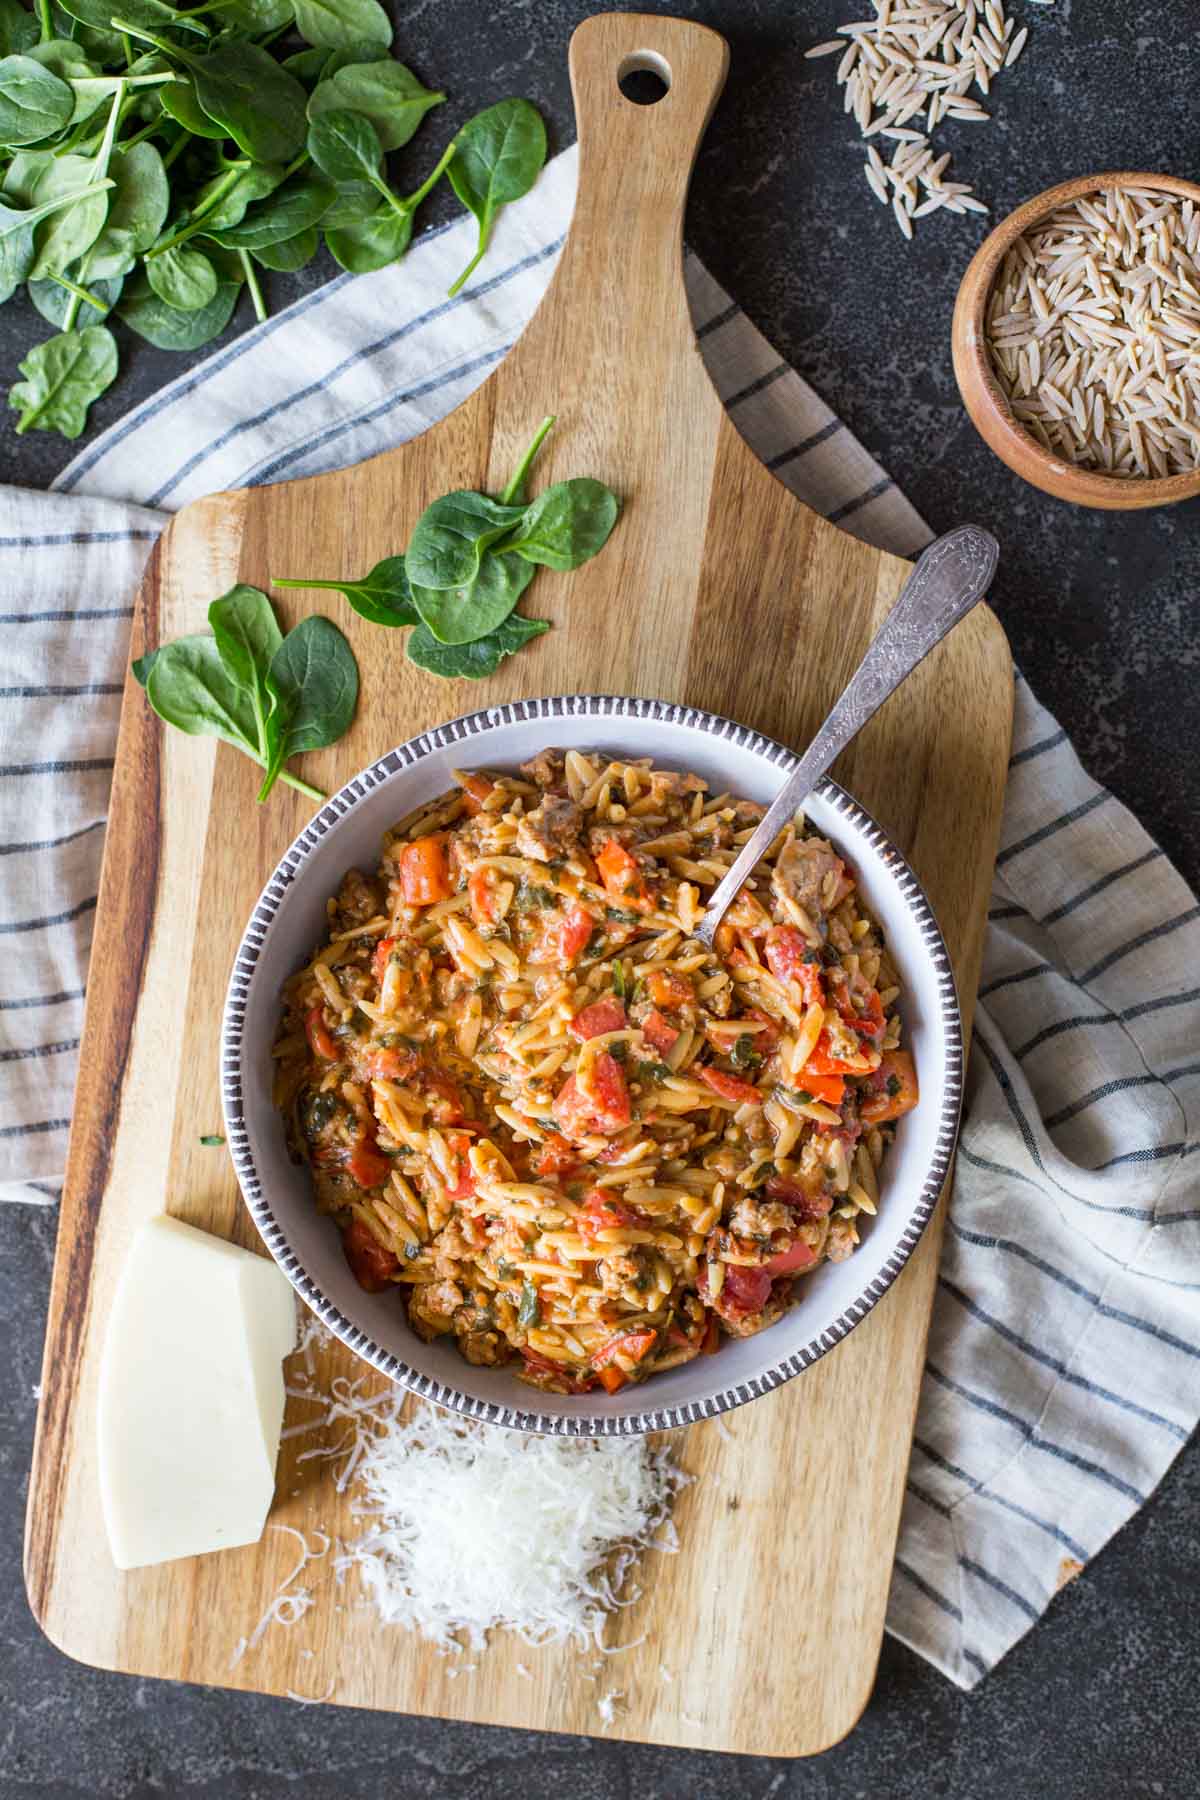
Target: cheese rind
191, 1395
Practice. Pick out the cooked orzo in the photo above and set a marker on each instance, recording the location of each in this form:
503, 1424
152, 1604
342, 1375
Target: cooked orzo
567, 1133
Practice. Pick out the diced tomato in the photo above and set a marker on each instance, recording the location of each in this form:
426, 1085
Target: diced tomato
830, 1090
602, 1106
897, 1072
319, 1040
730, 1087
821, 1062
446, 1101
600, 1017
603, 1213
632, 1345
554, 1158
744, 1291
790, 958
482, 889
367, 1164
424, 877
789, 1262
724, 942
370, 1261
603, 1088
613, 1379
661, 1035
476, 787
392, 1065
809, 1206
622, 876
460, 1145
571, 1111
668, 988
853, 994
379, 961
574, 929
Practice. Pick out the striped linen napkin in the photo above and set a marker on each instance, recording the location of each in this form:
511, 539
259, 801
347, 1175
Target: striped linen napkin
1062, 1373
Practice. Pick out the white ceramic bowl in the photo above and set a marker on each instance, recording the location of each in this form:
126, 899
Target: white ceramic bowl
290, 918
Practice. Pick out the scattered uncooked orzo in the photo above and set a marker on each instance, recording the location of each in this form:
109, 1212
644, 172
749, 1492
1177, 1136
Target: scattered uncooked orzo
918, 59
1093, 329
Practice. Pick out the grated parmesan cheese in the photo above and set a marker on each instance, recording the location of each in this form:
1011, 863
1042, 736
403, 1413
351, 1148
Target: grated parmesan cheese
476, 1528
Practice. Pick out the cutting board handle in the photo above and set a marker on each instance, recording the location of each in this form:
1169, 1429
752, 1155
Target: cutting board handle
635, 161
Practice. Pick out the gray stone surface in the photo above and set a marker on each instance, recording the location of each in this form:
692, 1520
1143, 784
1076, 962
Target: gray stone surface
1099, 1700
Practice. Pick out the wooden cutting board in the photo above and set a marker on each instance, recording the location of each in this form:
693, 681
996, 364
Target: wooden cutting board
717, 588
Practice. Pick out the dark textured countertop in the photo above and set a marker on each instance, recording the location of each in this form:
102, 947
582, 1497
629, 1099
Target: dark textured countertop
1099, 1700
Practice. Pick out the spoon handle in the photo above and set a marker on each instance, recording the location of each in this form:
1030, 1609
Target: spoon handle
949, 578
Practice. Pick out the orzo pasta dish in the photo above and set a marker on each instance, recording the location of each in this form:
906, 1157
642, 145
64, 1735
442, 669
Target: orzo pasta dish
562, 1129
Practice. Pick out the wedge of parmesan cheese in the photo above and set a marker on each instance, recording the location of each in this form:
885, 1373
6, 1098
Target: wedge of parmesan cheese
191, 1395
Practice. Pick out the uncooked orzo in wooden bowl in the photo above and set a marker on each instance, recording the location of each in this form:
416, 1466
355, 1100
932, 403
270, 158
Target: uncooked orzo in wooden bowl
568, 1137
1093, 328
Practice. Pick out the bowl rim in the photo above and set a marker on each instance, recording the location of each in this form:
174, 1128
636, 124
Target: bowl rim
408, 755
985, 400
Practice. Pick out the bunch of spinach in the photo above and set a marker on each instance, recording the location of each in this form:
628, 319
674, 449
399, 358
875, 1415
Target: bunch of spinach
269, 695
469, 562
156, 159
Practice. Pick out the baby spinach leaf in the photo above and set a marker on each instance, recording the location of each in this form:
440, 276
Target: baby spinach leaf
452, 535
353, 203
18, 28
257, 17
498, 155
77, 223
292, 253
62, 378
169, 328
189, 686
148, 15
246, 633
314, 682
268, 695
183, 278
223, 201
383, 595
137, 211
386, 93
179, 101
66, 59
16, 239
345, 146
363, 245
316, 677
53, 299
292, 208
242, 87
567, 524
473, 661
463, 614
23, 174
344, 24
34, 102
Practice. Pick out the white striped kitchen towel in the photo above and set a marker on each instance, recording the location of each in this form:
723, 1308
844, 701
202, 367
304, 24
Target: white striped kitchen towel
1063, 1365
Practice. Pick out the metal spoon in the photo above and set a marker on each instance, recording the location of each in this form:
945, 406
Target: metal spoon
950, 577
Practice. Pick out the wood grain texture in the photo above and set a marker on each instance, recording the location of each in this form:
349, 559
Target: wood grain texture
986, 400
717, 588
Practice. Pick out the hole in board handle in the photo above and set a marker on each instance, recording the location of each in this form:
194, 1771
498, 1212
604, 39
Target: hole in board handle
645, 78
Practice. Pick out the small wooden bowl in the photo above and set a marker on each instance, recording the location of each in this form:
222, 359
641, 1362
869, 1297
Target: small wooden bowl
985, 399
